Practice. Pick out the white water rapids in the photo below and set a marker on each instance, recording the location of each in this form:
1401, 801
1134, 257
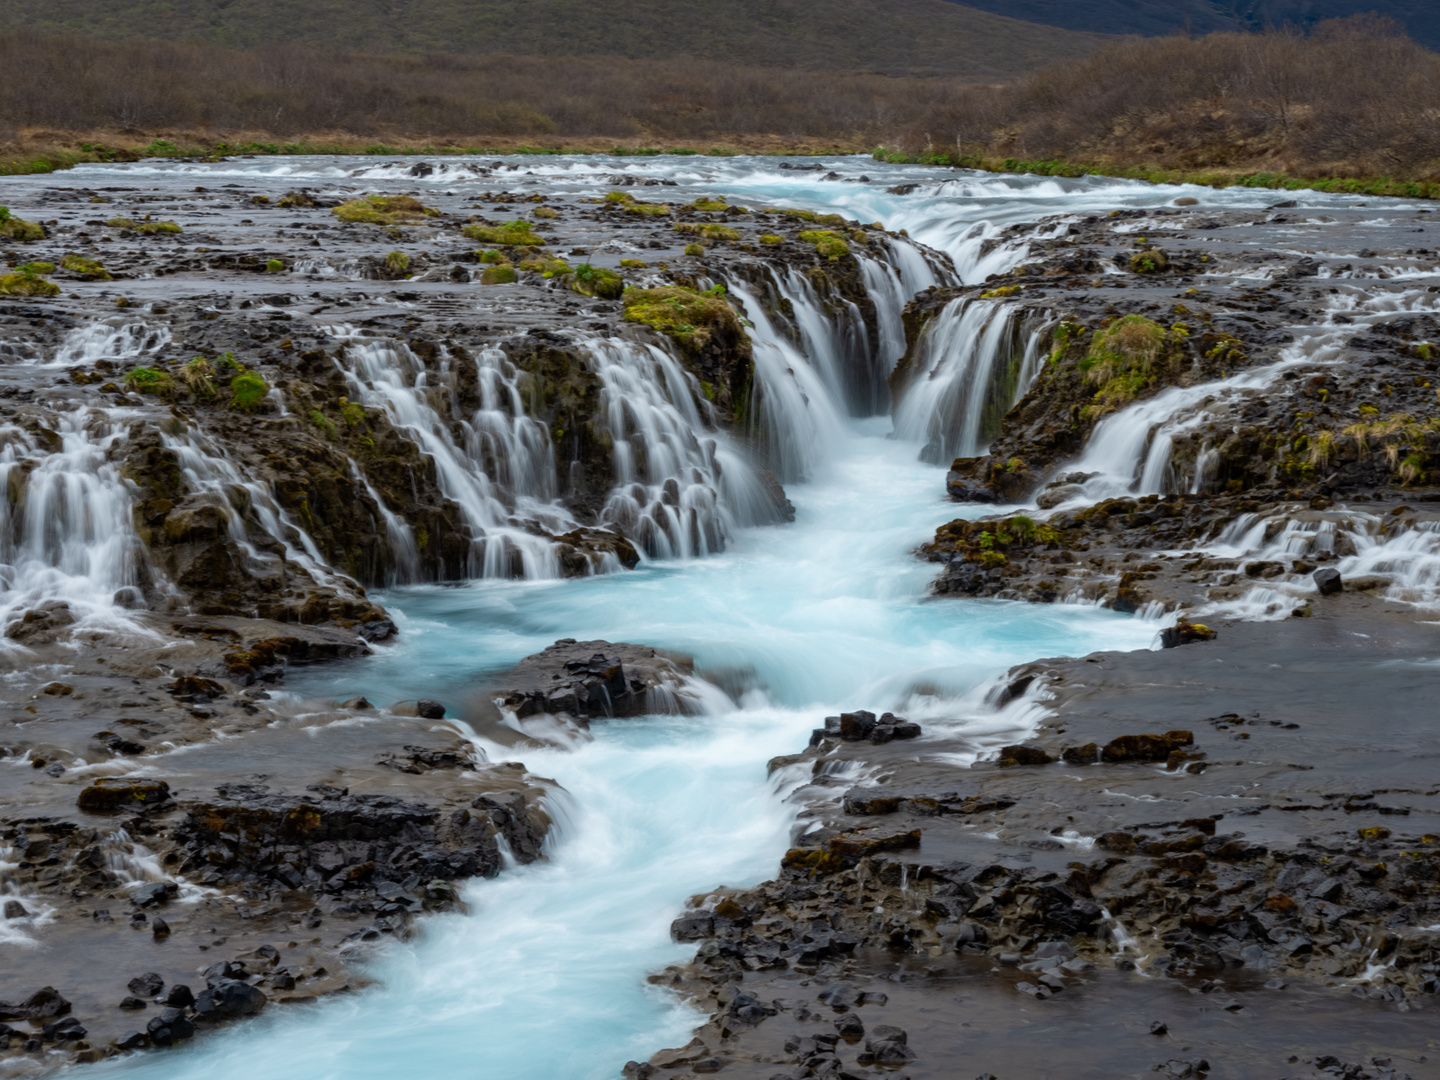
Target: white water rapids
544, 979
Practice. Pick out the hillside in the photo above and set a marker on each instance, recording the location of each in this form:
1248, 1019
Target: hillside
898, 36
1421, 18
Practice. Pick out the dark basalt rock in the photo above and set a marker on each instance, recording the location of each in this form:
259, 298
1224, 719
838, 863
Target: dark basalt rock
44, 1004
110, 793
1327, 580
588, 679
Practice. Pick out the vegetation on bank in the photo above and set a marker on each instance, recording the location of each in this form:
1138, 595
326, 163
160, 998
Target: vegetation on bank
1348, 108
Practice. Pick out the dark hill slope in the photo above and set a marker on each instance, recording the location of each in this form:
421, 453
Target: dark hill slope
897, 36
1421, 18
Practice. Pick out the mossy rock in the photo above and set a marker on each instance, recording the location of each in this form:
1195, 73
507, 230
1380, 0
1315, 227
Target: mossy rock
712, 340
512, 234
144, 380
384, 210
1150, 261
247, 390
544, 213
696, 250
705, 205
647, 209
828, 245
156, 228
499, 275
296, 198
598, 282
397, 262
771, 238
491, 258
709, 230
114, 793
21, 284
14, 228
634, 264
88, 269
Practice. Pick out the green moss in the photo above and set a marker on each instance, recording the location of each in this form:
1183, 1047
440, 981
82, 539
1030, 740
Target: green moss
544, 213
1122, 359
499, 275
828, 245
323, 422
771, 238
709, 205
647, 209
619, 197
634, 264
274, 266
598, 282
1001, 291
1150, 261
352, 412
154, 228
512, 234
248, 390
88, 268
144, 380
675, 310
36, 268
397, 262
709, 230
295, 198
695, 249
491, 257
384, 210
23, 284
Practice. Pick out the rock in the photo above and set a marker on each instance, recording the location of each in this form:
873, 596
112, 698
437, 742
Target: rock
429, 710
228, 999
1081, 755
148, 985
132, 1040
112, 793
1023, 755
963, 489
850, 1027
44, 1004
159, 927
154, 893
867, 841
1187, 200
180, 997
1183, 633
1328, 581
1159, 1027
14, 909
1145, 747
131, 1003
594, 678
169, 1027
1053, 496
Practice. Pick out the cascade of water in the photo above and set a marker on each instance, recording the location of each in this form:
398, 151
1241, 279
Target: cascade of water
971, 364
404, 552
1409, 557
798, 418
680, 488
113, 340
247, 503
505, 456
67, 539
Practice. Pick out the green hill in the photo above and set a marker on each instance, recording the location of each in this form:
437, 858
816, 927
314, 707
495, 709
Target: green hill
1421, 18
893, 36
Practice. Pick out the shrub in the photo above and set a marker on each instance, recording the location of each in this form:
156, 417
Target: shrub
247, 390
197, 375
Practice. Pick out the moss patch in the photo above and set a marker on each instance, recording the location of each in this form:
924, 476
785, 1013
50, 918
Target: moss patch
499, 275
14, 228
247, 390
598, 282
511, 234
90, 269
384, 210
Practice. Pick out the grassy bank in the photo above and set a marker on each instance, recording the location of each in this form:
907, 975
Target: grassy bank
1215, 178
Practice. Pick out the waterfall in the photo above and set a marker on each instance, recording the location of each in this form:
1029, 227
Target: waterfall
67, 539
680, 487
387, 376
798, 417
972, 362
112, 340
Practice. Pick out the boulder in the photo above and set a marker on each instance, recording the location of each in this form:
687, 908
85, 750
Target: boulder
1328, 581
44, 1004
587, 679
1145, 747
114, 793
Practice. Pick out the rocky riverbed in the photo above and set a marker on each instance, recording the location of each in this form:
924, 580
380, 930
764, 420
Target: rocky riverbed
223, 441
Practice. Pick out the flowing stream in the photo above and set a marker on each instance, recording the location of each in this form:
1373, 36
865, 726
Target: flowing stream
544, 979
